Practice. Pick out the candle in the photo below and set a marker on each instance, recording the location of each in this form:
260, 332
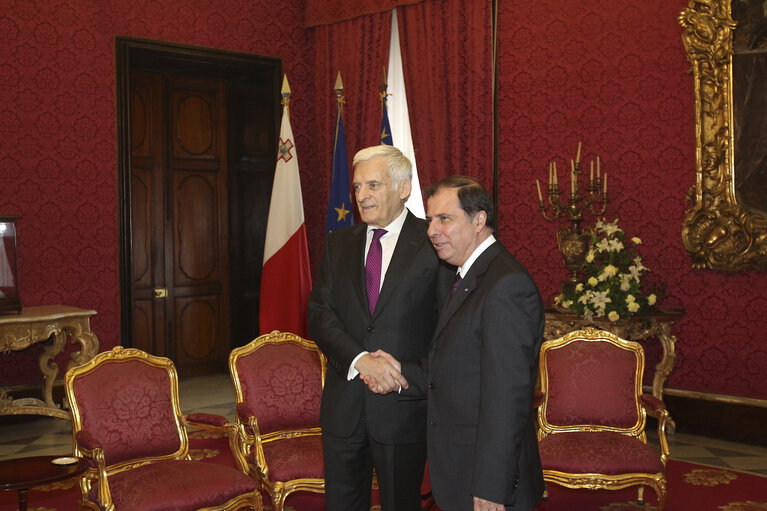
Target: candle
537, 184
572, 178
578, 154
597, 168
604, 190
591, 176
550, 175
554, 165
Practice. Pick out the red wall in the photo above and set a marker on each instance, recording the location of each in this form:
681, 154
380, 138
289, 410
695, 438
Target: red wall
614, 76
57, 132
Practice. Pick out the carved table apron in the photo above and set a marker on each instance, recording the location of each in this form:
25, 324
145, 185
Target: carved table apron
38, 324
656, 325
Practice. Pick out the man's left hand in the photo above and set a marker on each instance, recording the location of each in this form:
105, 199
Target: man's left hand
486, 505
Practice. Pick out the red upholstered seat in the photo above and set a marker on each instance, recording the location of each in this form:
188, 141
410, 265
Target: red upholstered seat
278, 381
127, 421
178, 483
592, 415
295, 458
598, 452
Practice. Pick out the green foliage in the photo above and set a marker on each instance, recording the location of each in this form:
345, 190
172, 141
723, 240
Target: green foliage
612, 284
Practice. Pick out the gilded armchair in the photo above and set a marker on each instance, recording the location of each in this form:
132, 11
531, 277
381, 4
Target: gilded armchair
278, 381
127, 422
592, 415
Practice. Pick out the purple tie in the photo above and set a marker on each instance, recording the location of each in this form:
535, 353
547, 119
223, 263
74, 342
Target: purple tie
373, 268
456, 282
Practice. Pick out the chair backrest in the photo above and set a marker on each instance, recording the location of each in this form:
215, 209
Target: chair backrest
592, 381
128, 401
279, 376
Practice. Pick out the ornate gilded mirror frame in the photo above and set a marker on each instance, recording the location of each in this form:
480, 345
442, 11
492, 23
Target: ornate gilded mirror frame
717, 231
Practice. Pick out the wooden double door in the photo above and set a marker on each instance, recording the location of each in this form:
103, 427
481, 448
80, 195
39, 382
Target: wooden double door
179, 219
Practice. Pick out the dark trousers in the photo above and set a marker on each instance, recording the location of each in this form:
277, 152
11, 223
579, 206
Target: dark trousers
349, 464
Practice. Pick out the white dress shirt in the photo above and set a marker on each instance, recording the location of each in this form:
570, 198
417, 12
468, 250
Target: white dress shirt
388, 243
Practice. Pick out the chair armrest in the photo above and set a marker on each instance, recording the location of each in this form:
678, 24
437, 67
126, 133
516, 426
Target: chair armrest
244, 413
86, 441
238, 440
657, 408
89, 447
208, 419
538, 398
652, 404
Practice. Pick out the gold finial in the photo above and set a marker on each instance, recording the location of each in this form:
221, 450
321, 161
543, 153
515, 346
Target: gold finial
339, 86
285, 87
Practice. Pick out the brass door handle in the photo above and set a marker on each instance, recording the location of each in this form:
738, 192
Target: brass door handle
160, 292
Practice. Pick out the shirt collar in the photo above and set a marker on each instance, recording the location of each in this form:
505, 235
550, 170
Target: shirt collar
464, 268
393, 228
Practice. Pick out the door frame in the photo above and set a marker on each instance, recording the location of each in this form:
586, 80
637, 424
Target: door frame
203, 61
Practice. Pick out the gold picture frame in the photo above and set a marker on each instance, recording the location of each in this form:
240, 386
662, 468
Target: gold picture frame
718, 232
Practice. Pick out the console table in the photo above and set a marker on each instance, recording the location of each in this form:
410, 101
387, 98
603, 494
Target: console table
656, 325
38, 324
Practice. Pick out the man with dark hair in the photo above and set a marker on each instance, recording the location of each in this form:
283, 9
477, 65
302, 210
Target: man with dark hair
481, 370
377, 289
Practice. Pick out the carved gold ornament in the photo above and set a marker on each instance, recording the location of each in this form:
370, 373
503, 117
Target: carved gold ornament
719, 233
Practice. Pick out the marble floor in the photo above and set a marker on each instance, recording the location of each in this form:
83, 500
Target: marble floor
214, 394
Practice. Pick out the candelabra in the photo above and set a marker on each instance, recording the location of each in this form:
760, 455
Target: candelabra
573, 241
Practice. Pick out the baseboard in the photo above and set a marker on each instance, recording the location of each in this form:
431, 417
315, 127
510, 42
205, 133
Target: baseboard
718, 416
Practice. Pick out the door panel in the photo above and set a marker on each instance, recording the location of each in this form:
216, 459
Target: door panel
147, 211
179, 220
197, 279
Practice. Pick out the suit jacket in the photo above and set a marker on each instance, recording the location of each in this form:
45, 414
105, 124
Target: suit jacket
402, 325
482, 370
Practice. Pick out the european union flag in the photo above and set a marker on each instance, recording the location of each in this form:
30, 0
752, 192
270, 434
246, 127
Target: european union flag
385, 127
340, 203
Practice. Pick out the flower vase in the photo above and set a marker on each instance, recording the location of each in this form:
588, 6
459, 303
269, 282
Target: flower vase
574, 246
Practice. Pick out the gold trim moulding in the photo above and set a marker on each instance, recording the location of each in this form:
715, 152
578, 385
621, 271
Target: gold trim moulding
718, 232
710, 396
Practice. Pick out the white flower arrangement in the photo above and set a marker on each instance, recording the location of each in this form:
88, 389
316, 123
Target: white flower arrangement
612, 285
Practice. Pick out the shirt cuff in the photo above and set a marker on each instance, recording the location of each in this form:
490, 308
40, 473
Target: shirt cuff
352, 371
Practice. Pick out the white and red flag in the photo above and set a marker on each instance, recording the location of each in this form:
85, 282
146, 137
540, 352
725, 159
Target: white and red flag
286, 277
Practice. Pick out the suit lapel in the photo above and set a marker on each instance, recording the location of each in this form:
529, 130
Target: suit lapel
409, 241
468, 285
356, 263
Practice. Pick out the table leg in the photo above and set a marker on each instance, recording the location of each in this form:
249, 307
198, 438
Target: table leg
665, 366
49, 368
23, 499
80, 332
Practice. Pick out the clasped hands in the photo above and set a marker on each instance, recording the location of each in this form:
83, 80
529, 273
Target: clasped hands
381, 372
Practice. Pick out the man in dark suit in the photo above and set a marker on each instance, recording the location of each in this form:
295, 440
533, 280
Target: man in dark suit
481, 370
375, 290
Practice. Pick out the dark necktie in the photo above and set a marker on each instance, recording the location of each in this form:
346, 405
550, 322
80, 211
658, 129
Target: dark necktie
373, 268
456, 284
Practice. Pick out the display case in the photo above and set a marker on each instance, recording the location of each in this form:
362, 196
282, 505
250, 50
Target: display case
10, 302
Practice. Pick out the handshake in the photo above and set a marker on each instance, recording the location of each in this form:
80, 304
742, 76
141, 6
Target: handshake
381, 372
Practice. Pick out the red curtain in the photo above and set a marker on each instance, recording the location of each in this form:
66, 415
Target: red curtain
449, 99
324, 12
359, 48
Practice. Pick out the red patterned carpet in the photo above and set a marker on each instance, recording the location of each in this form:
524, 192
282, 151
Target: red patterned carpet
691, 488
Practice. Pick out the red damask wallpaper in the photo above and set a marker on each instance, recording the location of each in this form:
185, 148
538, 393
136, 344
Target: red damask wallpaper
57, 132
616, 77
612, 75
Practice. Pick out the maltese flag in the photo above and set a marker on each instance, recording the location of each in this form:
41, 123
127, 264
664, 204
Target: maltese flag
286, 277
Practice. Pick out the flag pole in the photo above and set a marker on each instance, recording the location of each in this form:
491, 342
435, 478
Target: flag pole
339, 90
382, 87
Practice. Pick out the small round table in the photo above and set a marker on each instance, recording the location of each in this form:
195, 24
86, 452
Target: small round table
23, 473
